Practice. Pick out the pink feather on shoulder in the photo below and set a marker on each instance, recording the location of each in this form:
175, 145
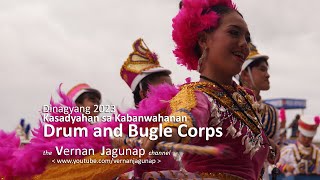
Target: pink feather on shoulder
317, 120
8, 144
282, 115
157, 101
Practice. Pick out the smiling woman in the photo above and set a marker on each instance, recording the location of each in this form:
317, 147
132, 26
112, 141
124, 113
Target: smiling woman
212, 37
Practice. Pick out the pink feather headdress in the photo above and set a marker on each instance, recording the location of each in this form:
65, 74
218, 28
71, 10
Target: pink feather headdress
187, 25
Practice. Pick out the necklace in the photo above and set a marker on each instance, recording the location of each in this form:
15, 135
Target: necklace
236, 103
305, 152
272, 154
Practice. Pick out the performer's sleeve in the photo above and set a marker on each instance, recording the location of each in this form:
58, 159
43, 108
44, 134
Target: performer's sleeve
276, 136
191, 106
286, 158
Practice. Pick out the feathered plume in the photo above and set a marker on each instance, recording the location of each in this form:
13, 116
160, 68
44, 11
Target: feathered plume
157, 101
282, 115
187, 25
317, 120
28, 161
8, 144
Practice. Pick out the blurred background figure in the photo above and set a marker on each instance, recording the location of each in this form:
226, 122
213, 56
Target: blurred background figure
22, 132
302, 157
294, 127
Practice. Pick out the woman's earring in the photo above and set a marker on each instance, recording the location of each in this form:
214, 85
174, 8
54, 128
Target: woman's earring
202, 59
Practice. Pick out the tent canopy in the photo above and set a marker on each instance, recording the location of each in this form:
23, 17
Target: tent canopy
287, 103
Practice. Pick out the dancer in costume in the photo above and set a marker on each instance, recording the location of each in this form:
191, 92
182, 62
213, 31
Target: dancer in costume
29, 161
157, 101
254, 75
141, 70
212, 37
303, 157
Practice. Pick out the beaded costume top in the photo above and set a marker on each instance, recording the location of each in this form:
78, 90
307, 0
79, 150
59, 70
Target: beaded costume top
208, 105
